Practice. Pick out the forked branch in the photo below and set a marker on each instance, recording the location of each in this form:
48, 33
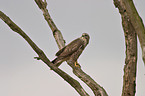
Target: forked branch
74, 83
96, 88
136, 22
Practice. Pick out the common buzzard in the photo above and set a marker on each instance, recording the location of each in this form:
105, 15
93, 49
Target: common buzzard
73, 49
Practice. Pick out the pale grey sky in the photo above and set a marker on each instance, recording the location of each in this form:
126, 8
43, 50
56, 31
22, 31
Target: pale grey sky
103, 58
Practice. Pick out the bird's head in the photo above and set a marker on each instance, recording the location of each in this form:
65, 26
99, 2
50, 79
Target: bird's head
85, 37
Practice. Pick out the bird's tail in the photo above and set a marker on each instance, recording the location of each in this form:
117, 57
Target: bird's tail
56, 62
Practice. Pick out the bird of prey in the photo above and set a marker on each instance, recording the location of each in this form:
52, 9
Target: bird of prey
72, 50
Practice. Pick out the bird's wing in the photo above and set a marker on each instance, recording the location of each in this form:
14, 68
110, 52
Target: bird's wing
70, 48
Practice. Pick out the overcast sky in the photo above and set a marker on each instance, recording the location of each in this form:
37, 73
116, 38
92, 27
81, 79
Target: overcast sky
103, 58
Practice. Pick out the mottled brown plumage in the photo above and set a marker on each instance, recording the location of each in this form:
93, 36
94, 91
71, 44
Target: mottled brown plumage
71, 49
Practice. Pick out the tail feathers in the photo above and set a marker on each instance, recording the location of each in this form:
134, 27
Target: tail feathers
54, 61
57, 62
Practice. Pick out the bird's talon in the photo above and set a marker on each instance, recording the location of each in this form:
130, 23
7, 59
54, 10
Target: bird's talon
77, 64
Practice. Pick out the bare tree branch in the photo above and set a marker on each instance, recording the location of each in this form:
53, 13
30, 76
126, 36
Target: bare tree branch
129, 78
74, 83
96, 88
56, 33
136, 21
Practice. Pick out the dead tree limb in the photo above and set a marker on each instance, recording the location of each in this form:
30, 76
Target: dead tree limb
56, 33
96, 88
74, 83
129, 78
136, 22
